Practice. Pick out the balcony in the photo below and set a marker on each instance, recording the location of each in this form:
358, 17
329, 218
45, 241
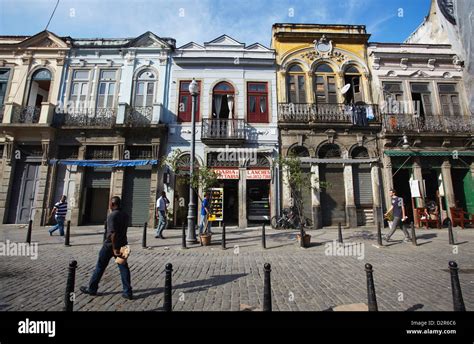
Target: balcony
227, 131
409, 123
139, 116
100, 118
26, 114
324, 114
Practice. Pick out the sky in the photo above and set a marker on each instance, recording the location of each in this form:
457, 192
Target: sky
247, 21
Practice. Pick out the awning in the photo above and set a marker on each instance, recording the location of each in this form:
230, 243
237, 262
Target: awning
104, 163
428, 153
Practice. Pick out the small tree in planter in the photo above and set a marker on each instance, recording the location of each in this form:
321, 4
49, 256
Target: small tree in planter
297, 180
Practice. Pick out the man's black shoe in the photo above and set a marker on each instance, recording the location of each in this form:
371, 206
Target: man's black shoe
127, 296
162, 237
86, 290
157, 236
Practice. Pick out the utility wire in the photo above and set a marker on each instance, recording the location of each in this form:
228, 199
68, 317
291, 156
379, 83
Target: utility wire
52, 14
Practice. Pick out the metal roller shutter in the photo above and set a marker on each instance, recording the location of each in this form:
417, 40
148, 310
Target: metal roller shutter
136, 196
362, 185
98, 177
333, 198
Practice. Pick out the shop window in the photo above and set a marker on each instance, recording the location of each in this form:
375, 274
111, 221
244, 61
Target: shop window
257, 102
185, 102
295, 84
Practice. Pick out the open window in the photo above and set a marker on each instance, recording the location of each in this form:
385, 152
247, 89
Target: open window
394, 98
352, 77
223, 101
39, 87
325, 85
295, 85
421, 96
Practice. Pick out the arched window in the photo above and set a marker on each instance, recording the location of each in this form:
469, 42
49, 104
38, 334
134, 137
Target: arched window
360, 153
299, 151
352, 77
145, 86
223, 101
325, 84
295, 85
329, 151
39, 87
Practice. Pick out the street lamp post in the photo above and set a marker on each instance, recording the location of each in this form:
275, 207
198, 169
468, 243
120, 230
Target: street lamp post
191, 236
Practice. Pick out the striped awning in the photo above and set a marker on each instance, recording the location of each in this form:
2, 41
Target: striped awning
451, 153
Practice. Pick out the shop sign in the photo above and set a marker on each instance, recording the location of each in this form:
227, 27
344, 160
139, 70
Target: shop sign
253, 174
227, 173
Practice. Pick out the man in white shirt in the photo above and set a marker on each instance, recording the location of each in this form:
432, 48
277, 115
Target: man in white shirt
161, 209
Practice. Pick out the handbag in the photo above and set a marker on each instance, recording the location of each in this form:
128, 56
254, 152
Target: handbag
125, 252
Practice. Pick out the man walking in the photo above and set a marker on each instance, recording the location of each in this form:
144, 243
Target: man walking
398, 210
59, 212
116, 238
161, 210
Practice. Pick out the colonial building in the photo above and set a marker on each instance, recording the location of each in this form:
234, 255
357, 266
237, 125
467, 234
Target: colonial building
90, 114
427, 133
30, 81
326, 117
236, 132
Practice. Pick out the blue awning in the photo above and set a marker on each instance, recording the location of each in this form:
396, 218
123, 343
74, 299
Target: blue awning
104, 163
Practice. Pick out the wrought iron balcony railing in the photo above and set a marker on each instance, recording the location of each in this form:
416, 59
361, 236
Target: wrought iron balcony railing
223, 129
99, 117
360, 115
427, 124
139, 116
26, 114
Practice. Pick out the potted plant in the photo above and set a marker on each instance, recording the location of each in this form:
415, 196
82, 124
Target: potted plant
298, 180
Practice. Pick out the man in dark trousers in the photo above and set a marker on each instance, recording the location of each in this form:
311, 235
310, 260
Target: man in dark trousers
116, 237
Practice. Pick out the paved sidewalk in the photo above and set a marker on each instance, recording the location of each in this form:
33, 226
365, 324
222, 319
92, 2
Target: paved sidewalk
208, 278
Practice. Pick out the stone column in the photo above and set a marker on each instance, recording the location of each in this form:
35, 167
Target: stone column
274, 192
78, 192
118, 173
309, 87
351, 210
448, 184
418, 175
40, 206
6, 181
316, 198
242, 198
286, 190
376, 193
387, 178
154, 182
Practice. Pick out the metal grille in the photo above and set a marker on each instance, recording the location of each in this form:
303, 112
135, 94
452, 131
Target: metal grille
140, 152
68, 152
99, 152
139, 115
26, 114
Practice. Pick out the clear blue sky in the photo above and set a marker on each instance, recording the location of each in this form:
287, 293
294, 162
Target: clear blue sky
248, 21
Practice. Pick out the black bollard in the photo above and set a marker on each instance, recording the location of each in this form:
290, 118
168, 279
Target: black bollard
183, 236
68, 234
450, 234
145, 225
28, 233
267, 289
71, 279
105, 230
413, 234
458, 301
372, 299
264, 242
302, 234
167, 303
339, 234
379, 234
223, 236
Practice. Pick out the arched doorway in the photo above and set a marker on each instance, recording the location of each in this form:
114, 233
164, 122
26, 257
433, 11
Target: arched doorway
333, 196
39, 87
223, 96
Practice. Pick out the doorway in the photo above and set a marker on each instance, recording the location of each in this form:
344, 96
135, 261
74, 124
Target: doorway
401, 184
96, 195
231, 202
333, 199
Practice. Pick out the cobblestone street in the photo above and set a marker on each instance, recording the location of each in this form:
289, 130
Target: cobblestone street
211, 279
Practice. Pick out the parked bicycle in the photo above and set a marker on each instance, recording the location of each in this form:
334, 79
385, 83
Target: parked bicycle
288, 220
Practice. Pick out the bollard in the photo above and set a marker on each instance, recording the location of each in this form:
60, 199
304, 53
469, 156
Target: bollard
68, 234
450, 233
105, 230
267, 289
413, 234
71, 279
183, 236
379, 234
167, 303
28, 233
264, 242
223, 236
145, 225
339, 234
302, 234
372, 299
458, 301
